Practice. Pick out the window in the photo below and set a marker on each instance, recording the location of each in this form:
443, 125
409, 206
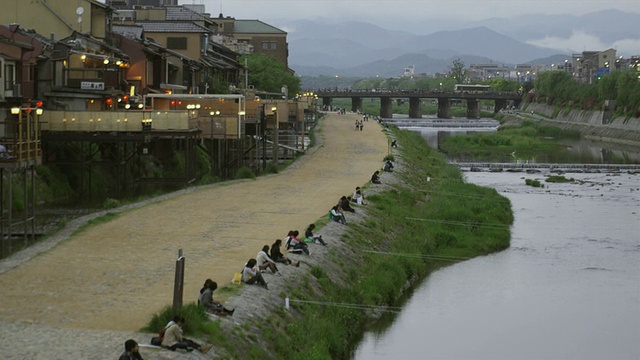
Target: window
273, 45
9, 71
265, 45
175, 43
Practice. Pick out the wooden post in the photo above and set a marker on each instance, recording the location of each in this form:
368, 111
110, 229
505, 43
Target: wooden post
178, 287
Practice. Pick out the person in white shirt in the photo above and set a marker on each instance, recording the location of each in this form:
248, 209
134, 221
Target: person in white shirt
264, 261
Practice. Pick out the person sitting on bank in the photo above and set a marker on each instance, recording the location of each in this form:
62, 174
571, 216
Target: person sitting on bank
345, 204
388, 166
313, 238
394, 143
375, 178
251, 274
358, 197
130, 351
174, 340
206, 299
277, 256
265, 262
293, 244
337, 215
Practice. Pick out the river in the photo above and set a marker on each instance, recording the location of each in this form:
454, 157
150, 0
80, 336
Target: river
567, 288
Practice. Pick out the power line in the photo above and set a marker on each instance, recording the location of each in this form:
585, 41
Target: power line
422, 256
463, 223
390, 309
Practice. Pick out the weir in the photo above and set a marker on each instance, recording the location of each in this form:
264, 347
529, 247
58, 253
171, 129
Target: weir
551, 166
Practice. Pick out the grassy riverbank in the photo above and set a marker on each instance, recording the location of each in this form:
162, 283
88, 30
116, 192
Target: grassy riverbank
425, 218
527, 138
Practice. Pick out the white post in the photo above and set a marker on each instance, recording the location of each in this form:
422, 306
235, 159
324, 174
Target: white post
286, 303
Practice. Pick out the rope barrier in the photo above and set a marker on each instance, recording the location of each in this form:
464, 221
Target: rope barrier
390, 309
422, 256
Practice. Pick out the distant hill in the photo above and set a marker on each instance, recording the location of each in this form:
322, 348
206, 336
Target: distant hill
355, 48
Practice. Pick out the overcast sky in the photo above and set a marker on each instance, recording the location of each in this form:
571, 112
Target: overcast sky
376, 10
414, 15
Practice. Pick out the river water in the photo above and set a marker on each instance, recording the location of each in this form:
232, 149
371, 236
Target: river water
567, 288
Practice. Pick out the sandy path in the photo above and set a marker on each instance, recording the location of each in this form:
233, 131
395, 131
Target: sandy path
115, 275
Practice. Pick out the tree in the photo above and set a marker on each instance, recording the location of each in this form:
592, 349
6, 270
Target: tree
268, 74
458, 72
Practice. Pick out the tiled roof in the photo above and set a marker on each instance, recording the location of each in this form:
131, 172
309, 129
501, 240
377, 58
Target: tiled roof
171, 26
130, 31
255, 27
183, 13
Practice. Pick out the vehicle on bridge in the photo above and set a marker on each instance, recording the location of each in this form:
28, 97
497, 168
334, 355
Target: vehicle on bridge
473, 89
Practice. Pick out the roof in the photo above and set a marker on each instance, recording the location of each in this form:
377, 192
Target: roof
129, 31
255, 27
184, 13
98, 3
172, 27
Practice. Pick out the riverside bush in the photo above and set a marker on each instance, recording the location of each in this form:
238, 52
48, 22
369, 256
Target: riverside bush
558, 179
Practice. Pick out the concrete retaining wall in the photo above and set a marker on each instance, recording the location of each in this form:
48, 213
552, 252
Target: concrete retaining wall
590, 124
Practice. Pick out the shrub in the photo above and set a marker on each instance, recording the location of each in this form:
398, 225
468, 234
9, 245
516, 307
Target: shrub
534, 183
110, 203
245, 173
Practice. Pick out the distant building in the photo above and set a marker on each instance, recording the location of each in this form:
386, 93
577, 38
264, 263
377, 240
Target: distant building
409, 71
589, 66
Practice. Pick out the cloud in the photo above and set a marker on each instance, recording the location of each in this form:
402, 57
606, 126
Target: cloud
580, 41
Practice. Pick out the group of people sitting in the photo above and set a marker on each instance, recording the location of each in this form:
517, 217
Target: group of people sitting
267, 258
337, 212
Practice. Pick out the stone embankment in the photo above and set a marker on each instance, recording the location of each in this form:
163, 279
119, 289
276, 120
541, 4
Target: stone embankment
594, 125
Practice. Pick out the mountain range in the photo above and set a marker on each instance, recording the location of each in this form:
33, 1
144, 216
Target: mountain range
355, 48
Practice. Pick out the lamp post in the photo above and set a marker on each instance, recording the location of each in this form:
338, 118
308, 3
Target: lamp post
213, 114
274, 109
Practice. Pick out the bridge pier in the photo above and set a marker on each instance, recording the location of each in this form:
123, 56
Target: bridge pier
356, 104
473, 109
444, 108
386, 111
326, 102
500, 104
415, 111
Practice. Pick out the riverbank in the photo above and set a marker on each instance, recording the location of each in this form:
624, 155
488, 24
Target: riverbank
121, 270
592, 125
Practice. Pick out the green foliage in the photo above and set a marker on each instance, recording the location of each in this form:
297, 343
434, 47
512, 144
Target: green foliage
559, 88
110, 203
197, 321
558, 179
272, 168
268, 74
245, 173
526, 138
534, 183
458, 72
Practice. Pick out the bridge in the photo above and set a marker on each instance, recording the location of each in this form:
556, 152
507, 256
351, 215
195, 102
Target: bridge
444, 98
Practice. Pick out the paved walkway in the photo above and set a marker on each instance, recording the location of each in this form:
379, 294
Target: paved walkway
114, 276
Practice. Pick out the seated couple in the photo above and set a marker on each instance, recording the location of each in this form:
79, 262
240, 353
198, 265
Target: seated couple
278, 257
206, 300
293, 244
336, 214
358, 197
